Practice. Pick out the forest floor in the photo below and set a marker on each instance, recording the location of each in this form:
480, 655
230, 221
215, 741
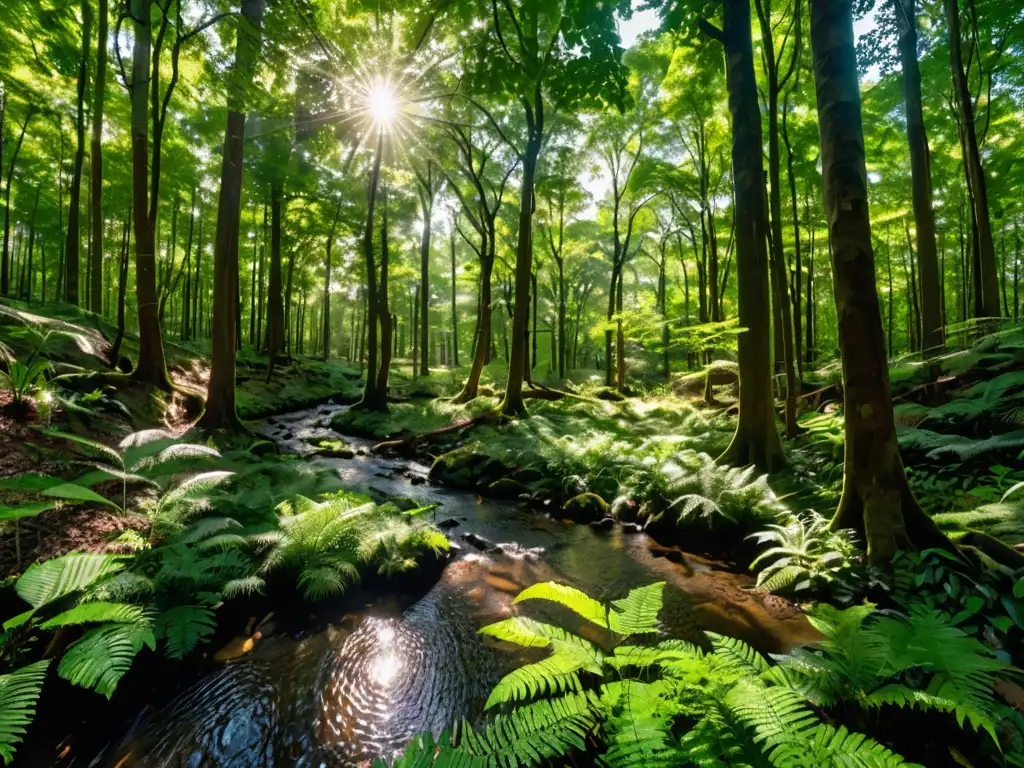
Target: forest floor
585, 455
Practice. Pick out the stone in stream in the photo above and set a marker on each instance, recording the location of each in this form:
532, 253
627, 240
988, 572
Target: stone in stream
604, 524
477, 541
586, 507
448, 523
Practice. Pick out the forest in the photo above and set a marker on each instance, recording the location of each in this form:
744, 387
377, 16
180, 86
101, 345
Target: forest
330, 434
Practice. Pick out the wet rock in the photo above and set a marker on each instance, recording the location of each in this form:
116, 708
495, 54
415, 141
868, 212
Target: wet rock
586, 507
335, 449
263, 448
604, 524
448, 523
527, 475
507, 488
632, 528
417, 479
478, 542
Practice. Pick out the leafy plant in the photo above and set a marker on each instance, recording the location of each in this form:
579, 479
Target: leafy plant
23, 379
324, 542
651, 701
804, 554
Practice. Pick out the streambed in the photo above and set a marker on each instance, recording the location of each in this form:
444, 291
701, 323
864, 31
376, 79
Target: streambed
361, 688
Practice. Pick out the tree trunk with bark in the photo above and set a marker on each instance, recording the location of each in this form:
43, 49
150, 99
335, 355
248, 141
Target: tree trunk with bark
373, 398
987, 300
273, 339
932, 330
151, 367
220, 413
756, 440
876, 497
96, 160
71, 249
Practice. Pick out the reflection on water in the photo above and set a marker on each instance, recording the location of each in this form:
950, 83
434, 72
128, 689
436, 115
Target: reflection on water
339, 698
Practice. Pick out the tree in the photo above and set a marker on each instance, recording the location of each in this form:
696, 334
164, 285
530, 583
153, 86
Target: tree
779, 74
546, 56
932, 328
96, 161
756, 440
876, 496
220, 410
73, 241
428, 183
986, 301
151, 367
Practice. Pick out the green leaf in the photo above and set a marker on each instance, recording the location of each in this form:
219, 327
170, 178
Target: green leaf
29, 481
573, 599
91, 446
72, 492
185, 627
19, 692
28, 509
44, 582
95, 612
103, 655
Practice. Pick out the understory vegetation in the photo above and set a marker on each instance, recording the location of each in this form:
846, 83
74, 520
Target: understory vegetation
636, 383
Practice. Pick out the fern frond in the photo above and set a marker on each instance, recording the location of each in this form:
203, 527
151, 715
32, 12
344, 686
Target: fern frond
95, 612
575, 600
736, 655
558, 673
185, 627
545, 729
637, 613
19, 692
102, 656
47, 581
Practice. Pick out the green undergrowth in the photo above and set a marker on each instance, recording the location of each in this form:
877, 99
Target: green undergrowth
219, 528
638, 698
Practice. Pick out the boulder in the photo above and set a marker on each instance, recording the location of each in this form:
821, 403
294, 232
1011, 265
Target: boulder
585, 508
507, 488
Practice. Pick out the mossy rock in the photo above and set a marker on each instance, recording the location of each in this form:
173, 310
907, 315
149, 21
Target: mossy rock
456, 467
507, 488
334, 449
611, 395
585, 508
527, 475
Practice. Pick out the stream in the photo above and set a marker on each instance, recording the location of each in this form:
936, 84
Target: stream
368, 682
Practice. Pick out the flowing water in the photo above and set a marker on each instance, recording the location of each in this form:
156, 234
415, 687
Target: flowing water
363, 687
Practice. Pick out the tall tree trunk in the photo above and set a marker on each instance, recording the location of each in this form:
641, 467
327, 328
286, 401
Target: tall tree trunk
809, 345
71, 263
273, 339
933, 332
122, 287
914, 307
876, 497
151, 367
987, 302
373, 398
5, 265
512, 404
482, 344
220, 410
31, 244
427, 211
455, 315
327, 283
387, 328
756, 440
96, 160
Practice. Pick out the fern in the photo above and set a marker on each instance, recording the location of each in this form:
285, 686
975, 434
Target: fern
102, 656
19, 692
44, 582
184, 627
96, 612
